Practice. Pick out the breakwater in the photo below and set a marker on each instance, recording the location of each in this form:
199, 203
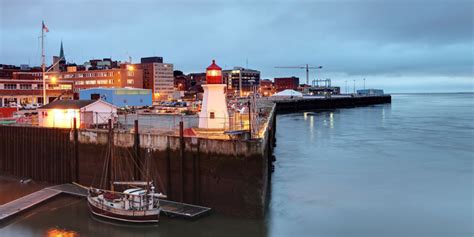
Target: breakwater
303, 104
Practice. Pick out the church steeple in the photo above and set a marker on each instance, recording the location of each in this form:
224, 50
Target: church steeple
61, 53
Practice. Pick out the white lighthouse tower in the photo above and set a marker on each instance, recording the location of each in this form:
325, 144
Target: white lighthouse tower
214, 114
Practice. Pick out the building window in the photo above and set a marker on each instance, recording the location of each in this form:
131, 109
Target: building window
212, 116
90, 82
65, 87
102, 82
130, 81
10, 86
25, 86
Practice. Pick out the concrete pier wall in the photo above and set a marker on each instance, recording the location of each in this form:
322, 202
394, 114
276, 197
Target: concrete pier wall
229, 176
297, 105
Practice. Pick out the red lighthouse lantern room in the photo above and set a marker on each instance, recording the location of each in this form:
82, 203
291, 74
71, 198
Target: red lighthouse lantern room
214, 74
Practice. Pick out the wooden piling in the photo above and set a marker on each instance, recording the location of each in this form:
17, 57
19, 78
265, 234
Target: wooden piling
136, 148
181, 157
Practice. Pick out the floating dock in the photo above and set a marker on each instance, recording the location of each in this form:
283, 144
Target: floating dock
24, 203
169, 208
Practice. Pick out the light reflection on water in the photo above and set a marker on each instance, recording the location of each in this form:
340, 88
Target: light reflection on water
404, 169
55, 232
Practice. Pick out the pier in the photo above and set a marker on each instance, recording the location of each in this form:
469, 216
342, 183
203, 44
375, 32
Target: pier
334, 102
13, 208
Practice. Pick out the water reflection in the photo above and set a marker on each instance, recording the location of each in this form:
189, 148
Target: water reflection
56, 232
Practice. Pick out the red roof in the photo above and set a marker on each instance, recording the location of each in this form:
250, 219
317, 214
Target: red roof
214, 66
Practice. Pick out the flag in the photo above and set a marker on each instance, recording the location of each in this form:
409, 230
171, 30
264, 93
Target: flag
45, 28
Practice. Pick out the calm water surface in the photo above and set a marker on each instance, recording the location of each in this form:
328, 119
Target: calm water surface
404, 169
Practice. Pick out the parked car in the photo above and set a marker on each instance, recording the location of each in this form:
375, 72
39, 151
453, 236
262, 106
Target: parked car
32, 106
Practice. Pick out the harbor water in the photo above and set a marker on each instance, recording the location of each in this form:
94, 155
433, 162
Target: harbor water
400, 169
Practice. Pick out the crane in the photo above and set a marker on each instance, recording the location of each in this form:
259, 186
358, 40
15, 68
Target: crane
307, 67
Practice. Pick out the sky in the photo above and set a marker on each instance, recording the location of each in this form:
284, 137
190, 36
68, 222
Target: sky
396, 45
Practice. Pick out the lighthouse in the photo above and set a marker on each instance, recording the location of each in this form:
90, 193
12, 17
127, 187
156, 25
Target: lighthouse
214, 114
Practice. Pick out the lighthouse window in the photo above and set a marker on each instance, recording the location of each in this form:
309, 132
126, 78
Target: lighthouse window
212, 115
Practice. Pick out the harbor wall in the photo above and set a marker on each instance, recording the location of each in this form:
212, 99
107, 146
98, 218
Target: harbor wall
305, 104
230, 176
43, 154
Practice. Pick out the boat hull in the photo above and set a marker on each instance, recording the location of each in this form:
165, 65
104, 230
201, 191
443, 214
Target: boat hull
153, 218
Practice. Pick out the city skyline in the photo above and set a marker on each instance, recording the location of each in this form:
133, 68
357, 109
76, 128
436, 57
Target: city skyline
397, 46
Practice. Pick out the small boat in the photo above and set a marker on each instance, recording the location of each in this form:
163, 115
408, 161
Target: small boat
138, 202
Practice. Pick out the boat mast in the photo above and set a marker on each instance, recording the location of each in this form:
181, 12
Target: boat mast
43, 64
110, 164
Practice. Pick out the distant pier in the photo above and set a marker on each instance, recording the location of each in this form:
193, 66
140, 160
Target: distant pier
334, 102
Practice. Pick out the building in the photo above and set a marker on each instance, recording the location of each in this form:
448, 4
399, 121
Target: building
15, 92
158, 77
214, 114
250, 79
61, 113
266, 87
119, 97
283, 83
126, 75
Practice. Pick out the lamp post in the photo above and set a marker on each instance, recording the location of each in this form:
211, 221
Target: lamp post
354, 86
54, 78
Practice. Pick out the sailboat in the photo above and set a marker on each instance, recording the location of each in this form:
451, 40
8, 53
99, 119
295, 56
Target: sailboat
137, 203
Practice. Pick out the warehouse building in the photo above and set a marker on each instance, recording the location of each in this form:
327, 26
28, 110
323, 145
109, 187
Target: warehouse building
119, 97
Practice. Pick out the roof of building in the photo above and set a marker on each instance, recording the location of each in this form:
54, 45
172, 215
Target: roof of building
115, 89
68, 104
289, 92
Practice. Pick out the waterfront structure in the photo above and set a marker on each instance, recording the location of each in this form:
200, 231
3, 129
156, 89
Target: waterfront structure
284, 83
240, 77
214, 114
61, 113
119, 97
287, 94
15, 92
158, 77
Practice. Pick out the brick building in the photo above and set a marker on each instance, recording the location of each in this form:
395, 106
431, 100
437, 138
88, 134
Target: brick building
283, 83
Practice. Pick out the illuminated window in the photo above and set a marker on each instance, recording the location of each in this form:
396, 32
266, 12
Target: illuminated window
65, 87
130, 81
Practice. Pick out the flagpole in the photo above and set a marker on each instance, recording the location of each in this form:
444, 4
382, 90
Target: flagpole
43, 64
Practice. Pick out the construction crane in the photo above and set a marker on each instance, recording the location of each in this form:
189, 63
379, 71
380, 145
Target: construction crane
307, 67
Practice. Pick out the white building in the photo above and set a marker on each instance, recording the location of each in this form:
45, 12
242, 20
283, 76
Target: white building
61, 113
214, 114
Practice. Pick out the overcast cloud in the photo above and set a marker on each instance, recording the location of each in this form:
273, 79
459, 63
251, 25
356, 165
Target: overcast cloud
398, 45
